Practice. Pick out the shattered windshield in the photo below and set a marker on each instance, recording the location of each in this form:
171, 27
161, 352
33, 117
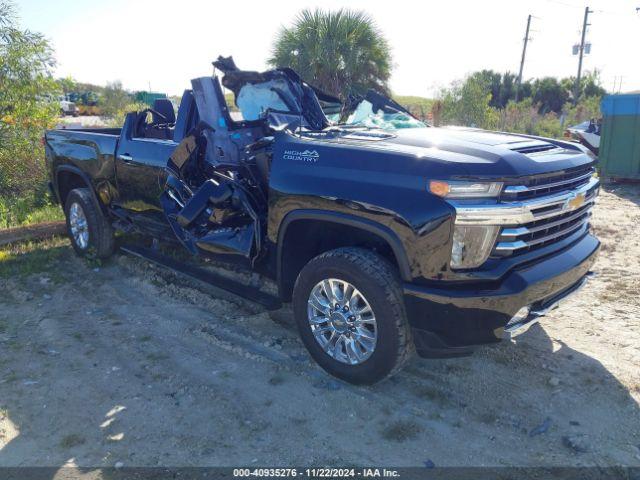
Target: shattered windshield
386, 119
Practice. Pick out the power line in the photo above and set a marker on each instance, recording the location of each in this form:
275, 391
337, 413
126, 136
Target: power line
607, 12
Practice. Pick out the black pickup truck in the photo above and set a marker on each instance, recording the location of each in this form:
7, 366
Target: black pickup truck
385, 240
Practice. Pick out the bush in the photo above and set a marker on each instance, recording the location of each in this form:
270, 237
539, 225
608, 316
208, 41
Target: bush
28, 210
27, 108
418, 106
114, 99
116, 118
468, 103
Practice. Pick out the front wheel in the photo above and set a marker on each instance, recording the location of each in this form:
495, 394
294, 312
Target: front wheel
350, 313
89, 231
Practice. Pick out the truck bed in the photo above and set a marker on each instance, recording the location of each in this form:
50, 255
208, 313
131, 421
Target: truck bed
102, 131
89, 150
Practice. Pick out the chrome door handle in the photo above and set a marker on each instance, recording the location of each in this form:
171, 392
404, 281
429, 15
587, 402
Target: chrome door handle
126, 158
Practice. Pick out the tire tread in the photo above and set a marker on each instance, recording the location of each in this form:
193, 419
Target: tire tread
385, 274
101, 233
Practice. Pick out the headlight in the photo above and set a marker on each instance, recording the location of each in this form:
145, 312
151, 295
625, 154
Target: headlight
449, 189
472, 245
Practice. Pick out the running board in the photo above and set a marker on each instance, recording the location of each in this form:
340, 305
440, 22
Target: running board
270, 302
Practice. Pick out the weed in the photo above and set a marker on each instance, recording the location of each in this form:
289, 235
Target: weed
26, 211
26, 258
401, 431
277, 379
488, 417
153, 356
72, 440
437, 396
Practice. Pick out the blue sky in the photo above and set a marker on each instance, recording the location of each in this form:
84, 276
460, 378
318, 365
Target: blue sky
163, 44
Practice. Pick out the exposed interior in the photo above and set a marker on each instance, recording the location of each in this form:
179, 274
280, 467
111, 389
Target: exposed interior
216, 193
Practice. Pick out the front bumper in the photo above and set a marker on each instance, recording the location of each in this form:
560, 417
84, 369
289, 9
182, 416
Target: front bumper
448, 321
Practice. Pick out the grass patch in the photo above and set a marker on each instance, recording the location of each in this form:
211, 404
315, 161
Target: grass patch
401, 431
277, 379
430, 393
488, 417
16, 213
73, 440
156, 356
26, 258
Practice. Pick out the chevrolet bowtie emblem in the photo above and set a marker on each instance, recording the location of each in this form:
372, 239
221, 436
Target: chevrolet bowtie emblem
574, 202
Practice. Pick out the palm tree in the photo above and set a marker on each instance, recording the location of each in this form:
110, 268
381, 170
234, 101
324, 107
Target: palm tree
341, 52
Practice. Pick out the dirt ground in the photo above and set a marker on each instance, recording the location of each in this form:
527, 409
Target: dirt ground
126, 364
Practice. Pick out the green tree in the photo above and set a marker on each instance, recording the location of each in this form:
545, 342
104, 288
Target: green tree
549, 94
590, 84
342, 52
67, 84
467, 103
114, 99
28, 105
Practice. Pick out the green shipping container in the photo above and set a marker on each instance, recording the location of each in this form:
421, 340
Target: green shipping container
149, 97
620, 138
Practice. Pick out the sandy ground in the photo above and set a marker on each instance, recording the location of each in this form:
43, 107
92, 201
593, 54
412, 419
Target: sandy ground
81, 121
126, 364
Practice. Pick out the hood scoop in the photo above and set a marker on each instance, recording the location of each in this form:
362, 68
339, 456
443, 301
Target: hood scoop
536, 148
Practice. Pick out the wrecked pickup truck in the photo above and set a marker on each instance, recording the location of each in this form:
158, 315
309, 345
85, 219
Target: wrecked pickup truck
385, 240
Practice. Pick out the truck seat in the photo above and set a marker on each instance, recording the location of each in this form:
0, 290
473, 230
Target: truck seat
165, 108
161, 128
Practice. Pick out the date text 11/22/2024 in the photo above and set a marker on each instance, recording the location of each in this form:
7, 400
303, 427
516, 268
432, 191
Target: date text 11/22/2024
316, 472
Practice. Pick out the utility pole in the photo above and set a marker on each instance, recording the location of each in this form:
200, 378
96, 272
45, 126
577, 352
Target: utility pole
576, 92
524, 52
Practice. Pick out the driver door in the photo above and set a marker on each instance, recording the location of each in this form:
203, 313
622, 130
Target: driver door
140, 170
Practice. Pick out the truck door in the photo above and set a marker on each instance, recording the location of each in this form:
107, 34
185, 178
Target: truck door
140, 170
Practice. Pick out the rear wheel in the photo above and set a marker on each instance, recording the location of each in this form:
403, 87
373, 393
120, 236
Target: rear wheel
350, 313
90, 232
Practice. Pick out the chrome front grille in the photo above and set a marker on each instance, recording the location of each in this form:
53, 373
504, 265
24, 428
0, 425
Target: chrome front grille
552, 221
549, 184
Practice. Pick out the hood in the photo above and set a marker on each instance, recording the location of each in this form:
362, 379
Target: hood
462, 153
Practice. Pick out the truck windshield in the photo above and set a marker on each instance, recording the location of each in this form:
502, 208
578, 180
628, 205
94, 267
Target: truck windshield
386, 119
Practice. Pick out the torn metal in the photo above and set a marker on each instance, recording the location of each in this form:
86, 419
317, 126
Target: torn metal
215, 197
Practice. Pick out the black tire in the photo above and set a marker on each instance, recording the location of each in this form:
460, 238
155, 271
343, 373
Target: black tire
378, 281
100, 242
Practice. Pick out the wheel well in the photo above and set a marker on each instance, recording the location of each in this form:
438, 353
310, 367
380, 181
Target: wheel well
67, 181
306, 239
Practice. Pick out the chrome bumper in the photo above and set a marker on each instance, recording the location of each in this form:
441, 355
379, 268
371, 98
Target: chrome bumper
512, 330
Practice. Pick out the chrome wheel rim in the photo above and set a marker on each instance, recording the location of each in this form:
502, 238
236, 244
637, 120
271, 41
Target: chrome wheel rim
78, 225
342, 321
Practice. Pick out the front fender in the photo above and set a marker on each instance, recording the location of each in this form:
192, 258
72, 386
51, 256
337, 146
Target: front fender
353, 221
